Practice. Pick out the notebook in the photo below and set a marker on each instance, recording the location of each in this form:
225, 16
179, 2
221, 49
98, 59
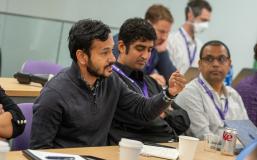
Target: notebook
161, 152
246, 130
43, 155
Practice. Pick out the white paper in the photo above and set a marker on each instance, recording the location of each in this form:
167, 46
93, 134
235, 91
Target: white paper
162, 152
42, 155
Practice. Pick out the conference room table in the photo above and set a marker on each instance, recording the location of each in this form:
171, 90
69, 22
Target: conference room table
20, 93
112, 153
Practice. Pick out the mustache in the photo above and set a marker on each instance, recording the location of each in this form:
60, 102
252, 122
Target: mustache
109, 65
141, 59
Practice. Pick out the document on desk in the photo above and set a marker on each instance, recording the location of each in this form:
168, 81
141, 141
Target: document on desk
161, 152
42, 155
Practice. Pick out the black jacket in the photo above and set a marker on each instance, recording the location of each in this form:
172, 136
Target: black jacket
69, 114
158, 130
17, 116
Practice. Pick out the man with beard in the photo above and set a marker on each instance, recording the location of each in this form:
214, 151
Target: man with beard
206, 99
76, 107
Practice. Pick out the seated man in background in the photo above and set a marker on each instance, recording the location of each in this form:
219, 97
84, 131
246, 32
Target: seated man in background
76, 107
247, 88
161, 19
12, 121
136, 41
206, 99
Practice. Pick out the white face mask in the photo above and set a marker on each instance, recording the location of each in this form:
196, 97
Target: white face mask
200, 27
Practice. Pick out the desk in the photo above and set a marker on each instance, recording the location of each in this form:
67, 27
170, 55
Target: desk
20, 92
112, 153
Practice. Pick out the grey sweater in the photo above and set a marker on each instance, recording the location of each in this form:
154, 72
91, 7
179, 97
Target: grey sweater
69, 114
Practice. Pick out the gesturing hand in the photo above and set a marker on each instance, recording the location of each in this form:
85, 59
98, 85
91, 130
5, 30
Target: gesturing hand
176, 83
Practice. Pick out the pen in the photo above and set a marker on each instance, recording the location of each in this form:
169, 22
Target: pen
60, 157
251, 136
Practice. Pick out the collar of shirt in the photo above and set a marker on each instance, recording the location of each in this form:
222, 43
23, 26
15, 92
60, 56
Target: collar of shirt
76, 77
225, 91
135, 75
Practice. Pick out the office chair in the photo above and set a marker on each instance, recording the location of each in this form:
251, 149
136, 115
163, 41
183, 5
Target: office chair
241, 75
40, 67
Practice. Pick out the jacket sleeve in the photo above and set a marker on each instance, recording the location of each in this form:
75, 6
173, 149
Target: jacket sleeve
143, 108
17, 116
47, 117
178, 119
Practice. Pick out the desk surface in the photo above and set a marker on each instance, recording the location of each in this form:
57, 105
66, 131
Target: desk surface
112, 153
14, 89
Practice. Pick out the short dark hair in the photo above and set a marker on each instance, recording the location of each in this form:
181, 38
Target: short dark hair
83, 33
214, 43
255, 52
158, 12
134, 29
197, 6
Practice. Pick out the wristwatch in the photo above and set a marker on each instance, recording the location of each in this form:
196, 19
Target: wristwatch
167, 97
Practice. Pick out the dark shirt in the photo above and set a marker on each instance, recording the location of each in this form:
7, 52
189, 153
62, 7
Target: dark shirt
158, 130
17, 116
157, 61
69, 114
247, 88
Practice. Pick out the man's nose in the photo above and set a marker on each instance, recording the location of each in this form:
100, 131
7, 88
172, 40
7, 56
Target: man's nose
112, 58
146, 54
216, 62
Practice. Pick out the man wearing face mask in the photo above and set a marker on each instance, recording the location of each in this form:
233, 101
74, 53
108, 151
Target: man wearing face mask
183, 46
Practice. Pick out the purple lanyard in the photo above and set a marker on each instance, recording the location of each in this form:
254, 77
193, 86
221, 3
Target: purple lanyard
191, 57
119, 71
221, 113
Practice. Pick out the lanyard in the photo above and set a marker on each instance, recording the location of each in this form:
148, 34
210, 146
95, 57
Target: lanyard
221, 113
191, 56
144, 91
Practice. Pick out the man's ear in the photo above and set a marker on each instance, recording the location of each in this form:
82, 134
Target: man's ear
122, 47
190, 15
199, 65
229, 62
82, 57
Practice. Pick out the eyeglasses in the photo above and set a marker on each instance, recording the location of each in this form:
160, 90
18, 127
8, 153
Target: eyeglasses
220, 59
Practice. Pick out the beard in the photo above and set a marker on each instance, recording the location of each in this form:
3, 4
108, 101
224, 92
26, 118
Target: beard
94, 71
